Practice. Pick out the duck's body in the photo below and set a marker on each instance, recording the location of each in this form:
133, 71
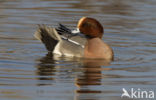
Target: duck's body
61, 44
63, 41
96, 48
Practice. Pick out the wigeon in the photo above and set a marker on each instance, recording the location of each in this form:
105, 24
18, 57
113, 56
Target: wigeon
86, 41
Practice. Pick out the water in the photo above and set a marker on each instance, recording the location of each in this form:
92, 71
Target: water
27, 72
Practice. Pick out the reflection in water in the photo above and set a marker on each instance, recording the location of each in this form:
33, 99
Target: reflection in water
46, 69
91, 75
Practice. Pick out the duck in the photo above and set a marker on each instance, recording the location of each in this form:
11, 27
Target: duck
84, 42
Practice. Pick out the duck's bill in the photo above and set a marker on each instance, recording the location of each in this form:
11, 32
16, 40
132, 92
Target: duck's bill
75, 31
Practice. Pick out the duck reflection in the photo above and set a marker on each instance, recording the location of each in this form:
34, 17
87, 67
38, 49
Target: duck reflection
92, 76
46, 69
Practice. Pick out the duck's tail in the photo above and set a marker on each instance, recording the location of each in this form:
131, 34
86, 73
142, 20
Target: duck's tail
48, 36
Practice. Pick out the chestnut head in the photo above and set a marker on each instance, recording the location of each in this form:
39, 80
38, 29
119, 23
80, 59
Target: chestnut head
90, 27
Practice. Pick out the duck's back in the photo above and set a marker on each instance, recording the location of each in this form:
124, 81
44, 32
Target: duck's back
59, 43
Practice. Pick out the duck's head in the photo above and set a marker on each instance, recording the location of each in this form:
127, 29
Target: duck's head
90, 27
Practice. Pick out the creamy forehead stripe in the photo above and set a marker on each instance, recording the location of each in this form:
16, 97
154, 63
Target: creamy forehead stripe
80, 21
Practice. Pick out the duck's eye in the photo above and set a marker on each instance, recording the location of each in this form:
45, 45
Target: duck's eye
89, 25
86, 24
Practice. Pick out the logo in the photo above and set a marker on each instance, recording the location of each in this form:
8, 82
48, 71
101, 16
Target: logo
137, 93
